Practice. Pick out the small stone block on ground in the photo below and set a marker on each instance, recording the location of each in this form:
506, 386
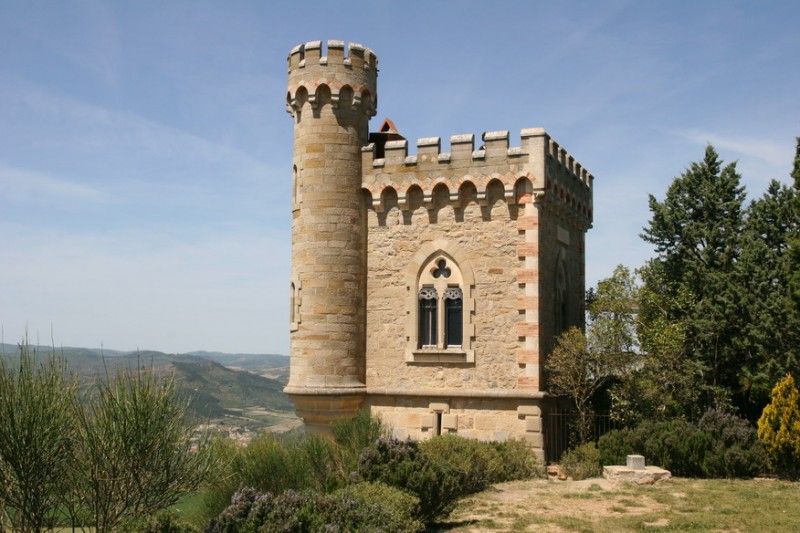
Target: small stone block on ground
641, 476
635, 462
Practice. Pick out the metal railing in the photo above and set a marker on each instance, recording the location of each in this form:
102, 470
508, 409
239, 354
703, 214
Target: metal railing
560, 435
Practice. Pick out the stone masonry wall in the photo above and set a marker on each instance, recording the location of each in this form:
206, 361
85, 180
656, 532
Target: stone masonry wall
490, 239
488, 419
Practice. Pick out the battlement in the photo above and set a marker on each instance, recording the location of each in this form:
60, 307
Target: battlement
312, 53
319, 74
554, 175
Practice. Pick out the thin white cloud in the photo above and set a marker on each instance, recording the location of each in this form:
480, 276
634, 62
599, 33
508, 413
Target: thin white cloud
774, 153
98, 131
23, 185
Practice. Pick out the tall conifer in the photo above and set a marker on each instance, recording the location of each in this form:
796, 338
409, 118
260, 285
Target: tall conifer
696, 231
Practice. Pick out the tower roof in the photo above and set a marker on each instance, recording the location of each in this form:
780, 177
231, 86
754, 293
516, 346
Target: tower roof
387, 132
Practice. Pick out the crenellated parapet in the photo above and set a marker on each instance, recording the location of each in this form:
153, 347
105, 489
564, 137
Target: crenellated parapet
538, 166
568, 182
344, 75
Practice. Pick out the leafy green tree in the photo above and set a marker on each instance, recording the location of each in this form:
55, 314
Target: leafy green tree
654, 379
577, 372
779, 428
612, 311
136, 452
581, 365
37, 433
696, 231
667, 382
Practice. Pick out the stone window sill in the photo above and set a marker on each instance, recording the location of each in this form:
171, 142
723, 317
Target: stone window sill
441, 355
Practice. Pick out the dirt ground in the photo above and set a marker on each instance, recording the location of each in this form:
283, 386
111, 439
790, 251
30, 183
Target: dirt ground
513, 505
605, 506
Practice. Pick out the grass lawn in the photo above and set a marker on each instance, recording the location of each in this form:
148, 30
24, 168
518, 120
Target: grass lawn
604, 506
188, 510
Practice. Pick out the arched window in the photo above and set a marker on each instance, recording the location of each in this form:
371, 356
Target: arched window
428, 325
295, 185
294, 306
291, 303
453, 316
441, 305
440, 327
560, 311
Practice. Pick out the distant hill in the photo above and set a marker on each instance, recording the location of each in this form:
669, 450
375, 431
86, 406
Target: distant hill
273, 366
216, 389
218, 384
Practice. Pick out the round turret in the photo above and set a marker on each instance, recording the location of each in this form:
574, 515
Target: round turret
331, 98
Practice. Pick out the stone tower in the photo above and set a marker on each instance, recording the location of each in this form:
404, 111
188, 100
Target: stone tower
428, 288
331, 97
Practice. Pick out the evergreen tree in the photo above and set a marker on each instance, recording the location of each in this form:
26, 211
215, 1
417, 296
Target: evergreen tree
697, 232
794, 246
770, 337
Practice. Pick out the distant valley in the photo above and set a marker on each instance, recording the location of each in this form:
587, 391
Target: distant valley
238, 394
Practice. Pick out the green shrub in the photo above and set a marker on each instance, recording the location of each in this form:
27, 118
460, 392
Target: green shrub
361, 508
37, 439
267, 464
270, 464
352, 435
164, 522
482, 463
582, 462
474, 460
719, 445
216, 495
677, 445
735, 450
321, 459
616, 445
380, 508
301, 462
515, 461
400, 464
136, 451
779, 428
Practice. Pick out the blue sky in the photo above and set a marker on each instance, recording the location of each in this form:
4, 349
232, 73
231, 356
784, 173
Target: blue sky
145, 151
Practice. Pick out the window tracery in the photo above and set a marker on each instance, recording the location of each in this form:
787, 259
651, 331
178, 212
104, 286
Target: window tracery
443, 322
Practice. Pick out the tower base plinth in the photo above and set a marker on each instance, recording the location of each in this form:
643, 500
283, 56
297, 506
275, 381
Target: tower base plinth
320, 407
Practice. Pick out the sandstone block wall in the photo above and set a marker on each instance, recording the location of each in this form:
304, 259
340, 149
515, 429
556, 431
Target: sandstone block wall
331, 96
491, 249
516, 217
486, 419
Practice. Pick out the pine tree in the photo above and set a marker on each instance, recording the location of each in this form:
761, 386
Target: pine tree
697, 232
770, 337
794, 246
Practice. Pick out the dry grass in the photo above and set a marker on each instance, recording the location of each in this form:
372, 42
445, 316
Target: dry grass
598, 505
